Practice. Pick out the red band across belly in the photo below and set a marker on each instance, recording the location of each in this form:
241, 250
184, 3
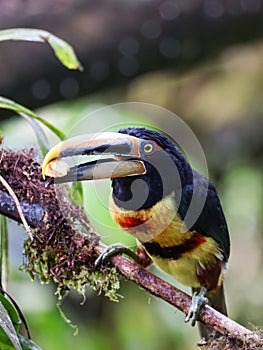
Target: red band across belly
127, 222
176, 251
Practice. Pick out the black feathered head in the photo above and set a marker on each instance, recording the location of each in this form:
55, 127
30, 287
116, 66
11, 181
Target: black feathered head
167, 171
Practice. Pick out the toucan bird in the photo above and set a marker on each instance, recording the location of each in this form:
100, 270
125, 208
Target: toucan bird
154, 189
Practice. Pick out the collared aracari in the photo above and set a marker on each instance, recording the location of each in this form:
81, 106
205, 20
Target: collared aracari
153, 186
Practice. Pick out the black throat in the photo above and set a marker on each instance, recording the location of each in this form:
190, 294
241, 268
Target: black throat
163, 177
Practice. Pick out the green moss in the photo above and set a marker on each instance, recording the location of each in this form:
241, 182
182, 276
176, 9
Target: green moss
48, 263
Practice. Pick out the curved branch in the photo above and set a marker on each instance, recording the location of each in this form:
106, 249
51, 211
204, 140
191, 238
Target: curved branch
33, 212
172, 295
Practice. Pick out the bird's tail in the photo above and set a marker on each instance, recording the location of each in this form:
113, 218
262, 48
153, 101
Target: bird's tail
217, 301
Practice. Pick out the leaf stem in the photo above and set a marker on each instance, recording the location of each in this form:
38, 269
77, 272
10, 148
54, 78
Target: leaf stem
19, 209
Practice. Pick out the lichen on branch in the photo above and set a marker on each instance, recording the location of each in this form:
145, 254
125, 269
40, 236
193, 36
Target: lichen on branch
63, 248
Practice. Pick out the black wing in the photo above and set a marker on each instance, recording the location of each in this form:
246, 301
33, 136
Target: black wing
211, 221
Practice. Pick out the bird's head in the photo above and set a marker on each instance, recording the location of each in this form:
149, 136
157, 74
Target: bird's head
144, 165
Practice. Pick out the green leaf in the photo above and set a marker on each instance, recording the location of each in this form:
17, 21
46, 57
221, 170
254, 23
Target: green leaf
3, 249
28, 344
41, 137
76, 193
62, 49
12, 312
8, 327
5, 103
5, 343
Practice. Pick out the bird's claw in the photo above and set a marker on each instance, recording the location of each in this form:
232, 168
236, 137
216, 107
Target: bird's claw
198, 300
112, 250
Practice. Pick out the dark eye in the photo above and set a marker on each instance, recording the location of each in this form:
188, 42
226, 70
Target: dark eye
148, 147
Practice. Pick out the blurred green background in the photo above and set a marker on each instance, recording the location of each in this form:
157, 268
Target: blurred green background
221, 101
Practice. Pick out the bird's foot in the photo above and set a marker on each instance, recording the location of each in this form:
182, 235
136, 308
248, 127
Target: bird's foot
198, 300
112, 250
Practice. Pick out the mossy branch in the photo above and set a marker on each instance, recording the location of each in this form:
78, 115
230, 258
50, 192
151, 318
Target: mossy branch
65, 247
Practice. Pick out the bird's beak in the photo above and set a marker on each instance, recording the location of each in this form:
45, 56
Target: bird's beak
122, 158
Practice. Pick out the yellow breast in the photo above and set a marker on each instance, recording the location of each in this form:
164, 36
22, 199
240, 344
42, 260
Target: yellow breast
163, 226
184, 269
159, 223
